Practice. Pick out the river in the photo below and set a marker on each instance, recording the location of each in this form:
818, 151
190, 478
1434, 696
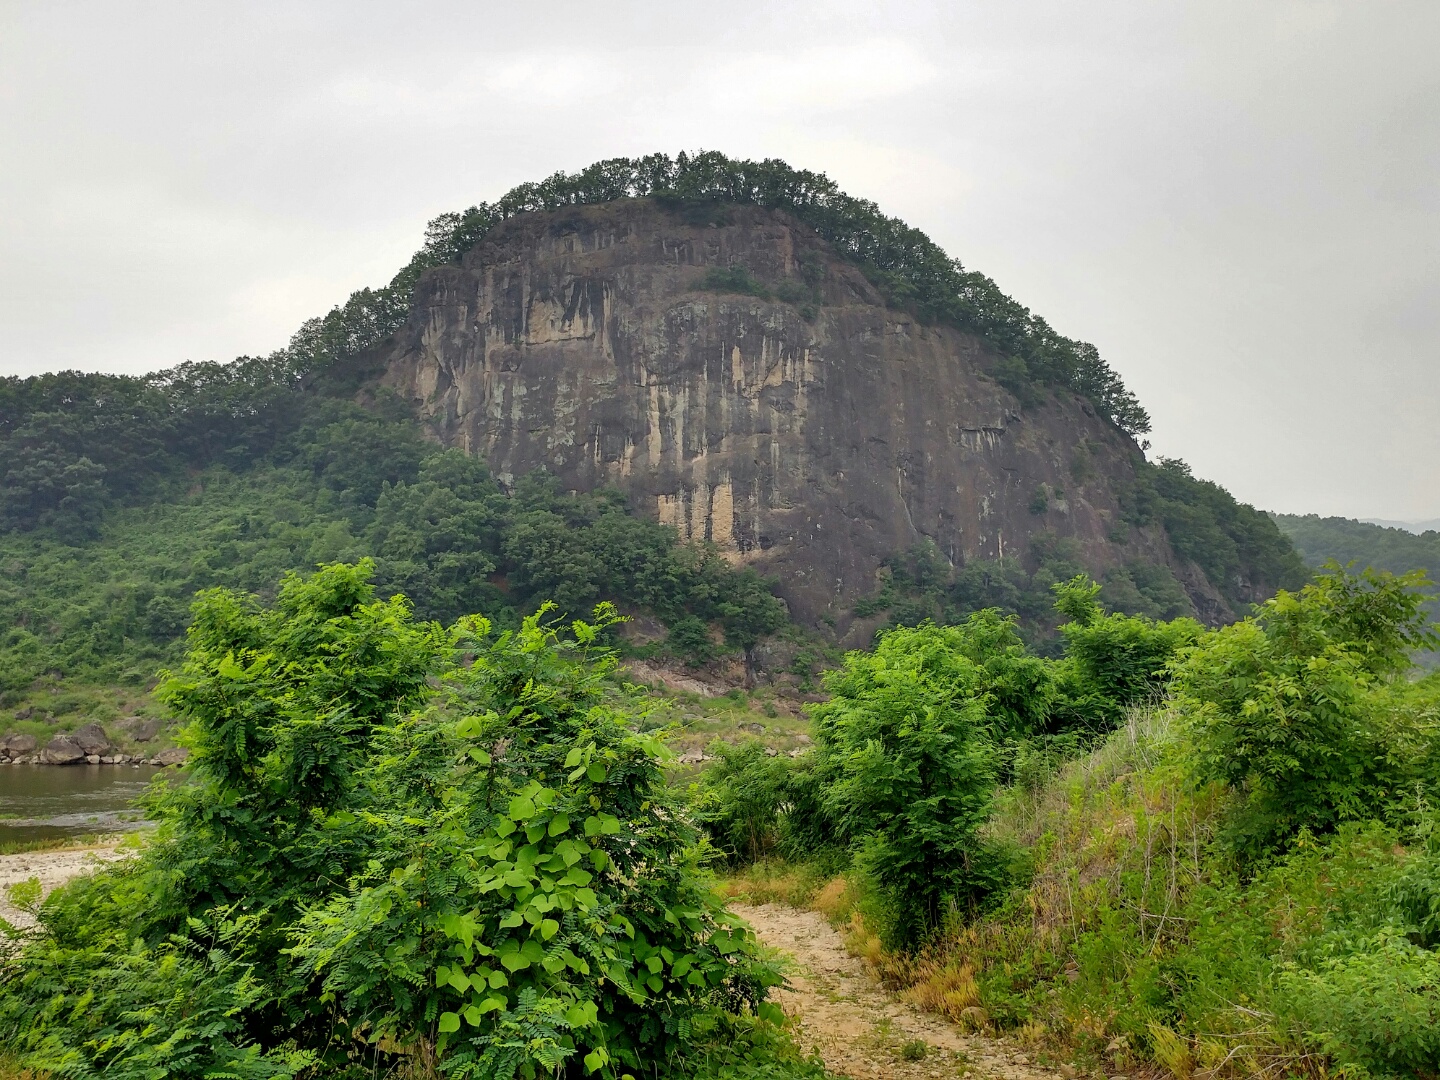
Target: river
44, 801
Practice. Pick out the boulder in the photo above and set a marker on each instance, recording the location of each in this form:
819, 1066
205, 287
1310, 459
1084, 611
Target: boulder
92, 759
176, 755
145, 730
18, 744
61, 750
91, 738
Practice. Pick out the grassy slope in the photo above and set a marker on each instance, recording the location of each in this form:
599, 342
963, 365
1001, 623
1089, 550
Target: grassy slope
1132, 945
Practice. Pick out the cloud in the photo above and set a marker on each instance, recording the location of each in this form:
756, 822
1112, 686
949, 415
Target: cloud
815, 79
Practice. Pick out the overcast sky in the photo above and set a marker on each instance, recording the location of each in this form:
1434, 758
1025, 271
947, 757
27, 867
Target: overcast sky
1238, 201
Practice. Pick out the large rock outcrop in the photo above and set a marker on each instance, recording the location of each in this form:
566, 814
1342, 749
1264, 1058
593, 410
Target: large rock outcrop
811, 438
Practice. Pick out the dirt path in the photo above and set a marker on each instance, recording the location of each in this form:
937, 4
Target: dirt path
855, 1026
52, 868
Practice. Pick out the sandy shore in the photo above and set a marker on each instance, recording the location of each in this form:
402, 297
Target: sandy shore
52, 868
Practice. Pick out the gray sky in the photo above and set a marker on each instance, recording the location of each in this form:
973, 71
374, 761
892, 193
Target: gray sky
1238, 202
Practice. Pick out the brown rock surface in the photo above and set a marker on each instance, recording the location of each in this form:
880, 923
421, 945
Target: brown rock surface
811, 439
62, 750
18, 744
91, 738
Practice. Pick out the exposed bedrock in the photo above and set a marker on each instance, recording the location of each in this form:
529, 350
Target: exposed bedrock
810, 437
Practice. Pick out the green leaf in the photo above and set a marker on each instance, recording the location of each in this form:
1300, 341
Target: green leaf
472, 1016
521, 809
549, 928
559, 824
511, 918
515, 961
460, 981
573, 758
449, 1022
596, 772
492, 1003
479, 756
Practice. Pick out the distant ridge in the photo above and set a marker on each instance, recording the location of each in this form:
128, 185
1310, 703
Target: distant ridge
1416, 527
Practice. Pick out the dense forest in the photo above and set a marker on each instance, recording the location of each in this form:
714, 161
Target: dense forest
102, 592
1319, 539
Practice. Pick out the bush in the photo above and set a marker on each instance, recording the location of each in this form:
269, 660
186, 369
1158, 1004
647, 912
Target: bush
394, 839
744, 800
910, 764
1113, 662
1289, 707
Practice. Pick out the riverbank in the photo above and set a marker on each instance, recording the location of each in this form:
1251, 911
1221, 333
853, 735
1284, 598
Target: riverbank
51, 868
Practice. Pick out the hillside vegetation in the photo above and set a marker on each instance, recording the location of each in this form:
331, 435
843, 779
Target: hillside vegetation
1242, 879
1319, 539
121, 496
105, 598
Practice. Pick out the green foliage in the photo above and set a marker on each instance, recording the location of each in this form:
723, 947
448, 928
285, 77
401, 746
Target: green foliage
1343, 540
733, 279
436, 524
1113, 661
746, 800
1241, 551
1290, 706
117, 1008
910, 764
394, 837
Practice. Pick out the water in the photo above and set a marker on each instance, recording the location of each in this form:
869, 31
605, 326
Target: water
46, 801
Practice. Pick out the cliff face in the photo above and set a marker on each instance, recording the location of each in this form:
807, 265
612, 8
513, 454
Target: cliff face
810, 438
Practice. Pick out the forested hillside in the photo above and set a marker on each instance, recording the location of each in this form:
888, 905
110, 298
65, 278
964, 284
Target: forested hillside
1347, 540
98, 590
120, 497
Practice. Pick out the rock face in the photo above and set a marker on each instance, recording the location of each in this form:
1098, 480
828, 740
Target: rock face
91, 738
62, 750
17, 744
811, 438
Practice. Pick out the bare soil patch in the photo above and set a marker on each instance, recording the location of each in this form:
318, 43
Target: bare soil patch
52, 868
858, 1029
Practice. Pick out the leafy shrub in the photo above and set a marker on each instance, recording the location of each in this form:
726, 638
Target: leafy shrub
733, 279
1288, 706
744, 800
395, 839
910, 770
1113, 662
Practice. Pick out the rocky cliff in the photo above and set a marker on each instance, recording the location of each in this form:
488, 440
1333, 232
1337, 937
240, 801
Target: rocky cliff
741, 381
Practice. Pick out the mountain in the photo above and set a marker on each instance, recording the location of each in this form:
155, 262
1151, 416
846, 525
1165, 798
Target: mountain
778, 409
798, 392
1398, 549
1416, 527
736, 349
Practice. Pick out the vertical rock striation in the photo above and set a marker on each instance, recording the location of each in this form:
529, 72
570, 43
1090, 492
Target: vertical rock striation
811, 436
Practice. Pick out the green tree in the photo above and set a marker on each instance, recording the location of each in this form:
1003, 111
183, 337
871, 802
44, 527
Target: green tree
1288, 707
442, 842
910, 765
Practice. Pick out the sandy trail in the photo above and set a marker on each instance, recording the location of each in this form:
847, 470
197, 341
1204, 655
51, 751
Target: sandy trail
52, 868
855, 1026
